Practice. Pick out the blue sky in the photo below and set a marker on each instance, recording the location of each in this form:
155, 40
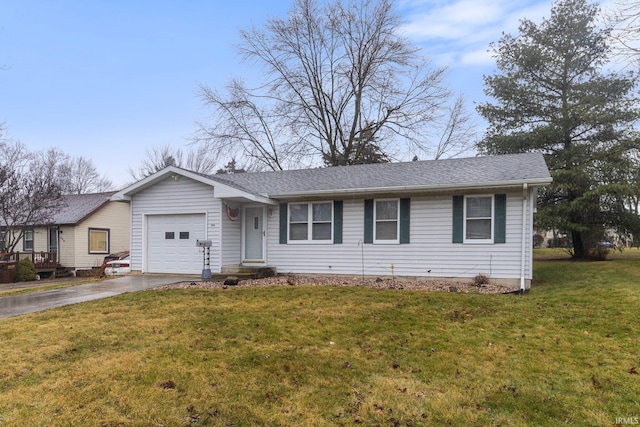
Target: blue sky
108, 79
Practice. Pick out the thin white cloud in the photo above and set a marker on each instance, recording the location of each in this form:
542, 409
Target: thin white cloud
462, 30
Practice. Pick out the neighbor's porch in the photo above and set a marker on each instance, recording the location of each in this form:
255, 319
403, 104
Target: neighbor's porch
45, 262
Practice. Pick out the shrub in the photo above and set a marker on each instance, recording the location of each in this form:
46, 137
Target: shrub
480, 280
26, 270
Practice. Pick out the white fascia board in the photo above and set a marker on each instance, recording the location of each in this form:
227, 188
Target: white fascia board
221, 190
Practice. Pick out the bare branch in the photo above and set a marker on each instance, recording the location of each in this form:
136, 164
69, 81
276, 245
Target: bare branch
337, 77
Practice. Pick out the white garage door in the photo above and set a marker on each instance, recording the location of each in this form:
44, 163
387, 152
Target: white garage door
171, 243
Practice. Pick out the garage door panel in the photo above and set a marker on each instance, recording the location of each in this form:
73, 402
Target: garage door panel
171, 243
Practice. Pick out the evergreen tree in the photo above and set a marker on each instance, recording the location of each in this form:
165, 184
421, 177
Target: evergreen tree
552, 95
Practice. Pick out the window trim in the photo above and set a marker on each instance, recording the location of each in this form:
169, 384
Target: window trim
310, 222
491, 239
375, 223
107, 231
24, 240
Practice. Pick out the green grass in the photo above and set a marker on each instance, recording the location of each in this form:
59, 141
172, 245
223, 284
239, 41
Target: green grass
567, 353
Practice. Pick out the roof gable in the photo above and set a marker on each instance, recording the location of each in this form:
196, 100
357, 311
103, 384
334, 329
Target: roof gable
77, 207
172, 172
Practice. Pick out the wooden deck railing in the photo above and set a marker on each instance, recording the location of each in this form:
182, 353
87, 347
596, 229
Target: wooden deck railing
44, 261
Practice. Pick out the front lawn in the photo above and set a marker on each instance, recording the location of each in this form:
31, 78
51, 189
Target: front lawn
566, 353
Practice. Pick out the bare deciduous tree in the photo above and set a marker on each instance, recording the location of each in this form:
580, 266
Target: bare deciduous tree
31, 186
197, 159
458, 132
83, 177
624, 20
338, 78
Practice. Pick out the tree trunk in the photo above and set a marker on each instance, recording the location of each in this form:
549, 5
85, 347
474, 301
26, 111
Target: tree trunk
579, 251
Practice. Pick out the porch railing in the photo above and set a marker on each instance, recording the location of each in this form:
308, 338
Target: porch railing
43, 261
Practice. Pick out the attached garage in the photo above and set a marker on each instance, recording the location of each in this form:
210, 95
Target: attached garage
171, 243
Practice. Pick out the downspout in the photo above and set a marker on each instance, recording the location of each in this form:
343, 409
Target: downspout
523, 258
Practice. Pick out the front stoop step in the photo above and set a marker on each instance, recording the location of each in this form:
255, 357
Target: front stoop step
244, 272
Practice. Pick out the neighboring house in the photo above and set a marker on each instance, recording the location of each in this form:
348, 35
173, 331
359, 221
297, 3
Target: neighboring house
83, 231
441, 219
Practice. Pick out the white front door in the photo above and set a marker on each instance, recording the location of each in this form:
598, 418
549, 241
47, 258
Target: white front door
253, 235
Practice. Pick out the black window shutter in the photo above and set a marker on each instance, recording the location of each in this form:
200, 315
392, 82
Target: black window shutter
500, 227
368, 221
283, 223
337, 221
405, 209
458, 219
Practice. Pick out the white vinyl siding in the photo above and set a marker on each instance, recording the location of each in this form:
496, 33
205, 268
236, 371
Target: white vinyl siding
181, 196
231, 234
431, 253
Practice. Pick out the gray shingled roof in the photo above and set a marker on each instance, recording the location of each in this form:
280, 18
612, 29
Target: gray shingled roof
429, 174
77, 207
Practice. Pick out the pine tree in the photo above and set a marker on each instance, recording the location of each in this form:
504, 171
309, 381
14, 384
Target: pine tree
552, 96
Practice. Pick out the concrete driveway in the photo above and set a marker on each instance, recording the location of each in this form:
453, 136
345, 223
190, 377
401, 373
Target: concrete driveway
38, 301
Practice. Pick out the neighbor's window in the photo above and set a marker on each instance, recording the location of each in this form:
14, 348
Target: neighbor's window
386, 220
27, 240
478, 218
98, 241
3, 243
311, 222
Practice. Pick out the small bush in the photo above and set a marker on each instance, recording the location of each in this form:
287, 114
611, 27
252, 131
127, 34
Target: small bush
26, 270
480, 280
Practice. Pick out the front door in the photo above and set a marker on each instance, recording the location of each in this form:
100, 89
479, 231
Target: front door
254, 235
53, 242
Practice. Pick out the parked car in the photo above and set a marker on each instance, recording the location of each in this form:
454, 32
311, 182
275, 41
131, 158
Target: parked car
118, 266
114, 257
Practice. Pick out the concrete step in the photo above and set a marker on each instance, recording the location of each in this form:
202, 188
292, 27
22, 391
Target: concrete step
248, 272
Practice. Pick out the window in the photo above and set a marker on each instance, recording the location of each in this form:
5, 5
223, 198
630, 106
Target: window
3, 243
311, 222
386, 221
169, 235
27, 240
184, 235
478, 218
98, 241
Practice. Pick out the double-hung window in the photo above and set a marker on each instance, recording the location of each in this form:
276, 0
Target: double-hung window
478, 219
386, 215
311, 222
27, 241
